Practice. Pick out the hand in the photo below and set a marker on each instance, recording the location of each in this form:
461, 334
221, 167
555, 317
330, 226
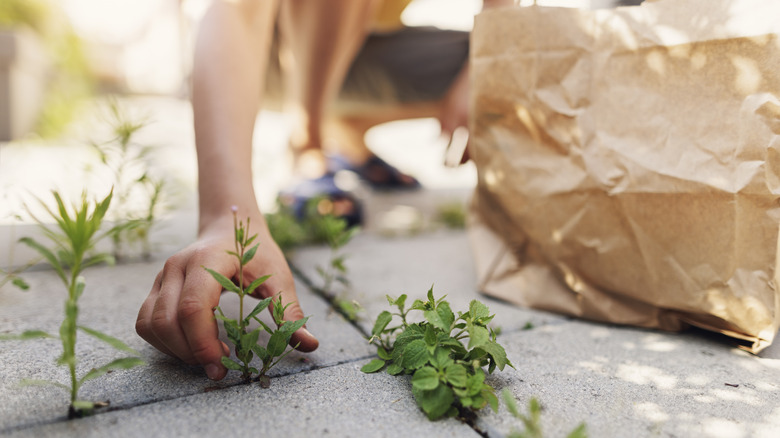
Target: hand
454, 109
177, 317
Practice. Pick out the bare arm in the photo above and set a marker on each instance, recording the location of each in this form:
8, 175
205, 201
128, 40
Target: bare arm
177, 316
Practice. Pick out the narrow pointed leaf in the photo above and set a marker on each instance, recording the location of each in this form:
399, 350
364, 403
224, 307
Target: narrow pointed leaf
26, 335
118, 364
48, 255
249, 255
225, 282
255, 284
110, 340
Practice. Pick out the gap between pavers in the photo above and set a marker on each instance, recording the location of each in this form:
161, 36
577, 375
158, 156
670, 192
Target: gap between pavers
110, 304
337, 401
380, 266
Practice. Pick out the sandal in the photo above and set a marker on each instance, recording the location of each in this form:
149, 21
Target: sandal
379, 174
323, 196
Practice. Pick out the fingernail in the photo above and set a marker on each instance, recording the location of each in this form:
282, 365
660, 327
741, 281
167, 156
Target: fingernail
306, 332
212, 370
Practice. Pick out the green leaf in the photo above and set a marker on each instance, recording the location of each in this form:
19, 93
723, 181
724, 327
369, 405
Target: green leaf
456, 375
442, 317
26, 335
249, 255
231, 364
290, 327
110, 340
255, 284
48, 255
497, 353
478, 310
99, 258
249, 339
436, 402
425, 378
381, 323
580, 432
490, 396
38, 382
394, 369
261, 352
373, 366
261, 305
478, 335
277, 343
118, 364
430, 295
383, 354
20, 283
430, 336
225, 282
511, 403
414, 355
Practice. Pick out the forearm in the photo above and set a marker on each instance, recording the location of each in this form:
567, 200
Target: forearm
230, 58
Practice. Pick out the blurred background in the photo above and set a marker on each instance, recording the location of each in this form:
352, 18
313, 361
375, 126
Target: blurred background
86, 85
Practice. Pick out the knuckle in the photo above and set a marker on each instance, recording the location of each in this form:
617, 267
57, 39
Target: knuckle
189, 308
160, 321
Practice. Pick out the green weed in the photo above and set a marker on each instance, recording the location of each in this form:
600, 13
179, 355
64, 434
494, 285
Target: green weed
532, 422
73, 241
128, 162
447, 376
245, 341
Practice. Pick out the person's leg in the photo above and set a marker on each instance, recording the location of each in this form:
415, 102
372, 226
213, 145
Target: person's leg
400, 75
323, 38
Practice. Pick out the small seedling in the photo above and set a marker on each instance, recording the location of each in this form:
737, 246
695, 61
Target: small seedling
452, 215
336, 233
129, 164
245, 341
72, 244
532, 422
447, 376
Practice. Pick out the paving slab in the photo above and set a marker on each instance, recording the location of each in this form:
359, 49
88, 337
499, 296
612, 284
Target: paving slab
379, 266
625, 382
110, 304
336, 401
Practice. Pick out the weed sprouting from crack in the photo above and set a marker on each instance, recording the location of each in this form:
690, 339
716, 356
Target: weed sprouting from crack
447, 376
245, 342
69, 256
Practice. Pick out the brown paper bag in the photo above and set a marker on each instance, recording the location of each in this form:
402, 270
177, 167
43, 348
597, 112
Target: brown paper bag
629, 162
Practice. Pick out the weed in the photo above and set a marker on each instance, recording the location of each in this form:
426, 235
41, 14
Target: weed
532, 422
452, 215
128, 162
245, 341
72, 244
289, 232
447, 375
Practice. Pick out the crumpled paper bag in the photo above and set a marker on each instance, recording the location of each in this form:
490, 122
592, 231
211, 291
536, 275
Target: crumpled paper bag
629, 163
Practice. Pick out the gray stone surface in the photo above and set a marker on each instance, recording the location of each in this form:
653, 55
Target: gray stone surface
380, 266
110, 304
336, 401
632, 382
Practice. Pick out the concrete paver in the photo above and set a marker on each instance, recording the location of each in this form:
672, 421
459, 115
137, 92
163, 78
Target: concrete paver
337, 401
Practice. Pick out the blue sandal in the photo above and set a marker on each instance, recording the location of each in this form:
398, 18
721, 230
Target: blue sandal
377, 173
332, 200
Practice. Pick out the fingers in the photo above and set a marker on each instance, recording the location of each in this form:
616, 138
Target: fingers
177, 316
200, 294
